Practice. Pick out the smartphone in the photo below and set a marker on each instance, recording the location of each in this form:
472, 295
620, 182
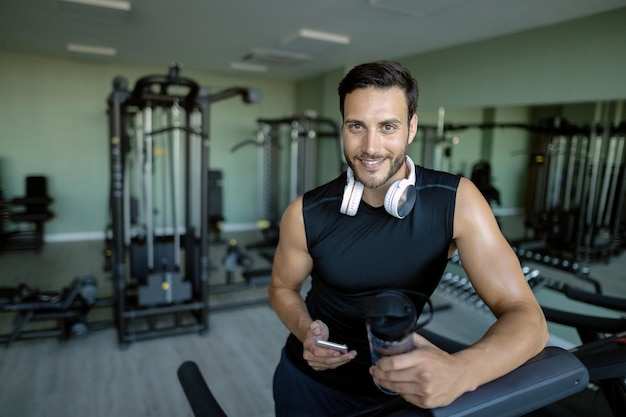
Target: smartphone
331, 345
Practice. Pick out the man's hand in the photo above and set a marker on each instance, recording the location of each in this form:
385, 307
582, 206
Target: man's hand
320, 358
427, 377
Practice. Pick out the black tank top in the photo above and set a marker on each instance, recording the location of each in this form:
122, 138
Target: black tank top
372, 251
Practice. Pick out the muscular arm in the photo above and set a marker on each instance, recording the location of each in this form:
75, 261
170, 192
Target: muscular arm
520, 331
292, 265
429, 377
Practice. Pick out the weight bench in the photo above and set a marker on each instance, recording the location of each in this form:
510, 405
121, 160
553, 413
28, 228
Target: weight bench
67, 307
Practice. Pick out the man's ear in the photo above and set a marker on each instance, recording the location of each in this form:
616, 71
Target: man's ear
412, 128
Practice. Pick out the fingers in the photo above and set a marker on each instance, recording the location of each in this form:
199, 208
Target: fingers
410, 367
420, 341
415, 389
389, 374
321, 358
319, 330
423, 352
427, 376
399, 362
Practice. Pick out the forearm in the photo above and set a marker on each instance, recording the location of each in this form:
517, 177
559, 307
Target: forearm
291, 309
519, 334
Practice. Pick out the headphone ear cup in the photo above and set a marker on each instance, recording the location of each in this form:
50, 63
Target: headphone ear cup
400, 198
355, 199
352, 194
401, 195
390, 197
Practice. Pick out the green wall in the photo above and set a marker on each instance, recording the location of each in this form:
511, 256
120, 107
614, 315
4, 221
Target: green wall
53, 121
582, 60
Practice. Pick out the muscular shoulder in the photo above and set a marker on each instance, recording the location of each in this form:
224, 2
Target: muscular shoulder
329, 193
292, 215
429, 178
469, 197
472, 213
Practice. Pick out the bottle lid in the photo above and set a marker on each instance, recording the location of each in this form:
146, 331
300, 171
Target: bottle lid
391, 315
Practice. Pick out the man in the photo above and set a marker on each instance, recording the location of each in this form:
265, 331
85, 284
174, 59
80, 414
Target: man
354, 236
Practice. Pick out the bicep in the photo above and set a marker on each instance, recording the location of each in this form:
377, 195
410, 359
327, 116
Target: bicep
292, 263
487, 257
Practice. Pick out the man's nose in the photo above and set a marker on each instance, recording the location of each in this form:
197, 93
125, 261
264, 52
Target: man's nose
371, 142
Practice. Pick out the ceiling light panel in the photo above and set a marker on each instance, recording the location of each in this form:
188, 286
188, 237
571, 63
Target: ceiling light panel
98, 11
312, 41
120, 5
416, 8
91, 50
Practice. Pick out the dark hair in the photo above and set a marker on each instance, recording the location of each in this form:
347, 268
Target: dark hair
383, 75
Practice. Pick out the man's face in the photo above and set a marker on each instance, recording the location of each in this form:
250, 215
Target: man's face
376, 134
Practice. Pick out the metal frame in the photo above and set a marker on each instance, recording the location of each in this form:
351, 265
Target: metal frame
151, 92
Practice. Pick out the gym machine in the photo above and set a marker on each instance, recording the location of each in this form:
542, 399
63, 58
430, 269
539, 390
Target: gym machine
250, 291
268, 147
577, 175
303, 134
436, 146
575, 181
216, 215
550, 384
25, 216
62, 314
551, 375
160, 275
602, 347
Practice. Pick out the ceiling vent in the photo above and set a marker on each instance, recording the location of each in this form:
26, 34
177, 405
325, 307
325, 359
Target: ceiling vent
271, 57
244, 66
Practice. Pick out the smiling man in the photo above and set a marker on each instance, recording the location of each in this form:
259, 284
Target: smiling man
389, 224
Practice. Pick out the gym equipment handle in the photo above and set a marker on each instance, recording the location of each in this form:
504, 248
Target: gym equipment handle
600, 300
585, 322
548, 377
202, 401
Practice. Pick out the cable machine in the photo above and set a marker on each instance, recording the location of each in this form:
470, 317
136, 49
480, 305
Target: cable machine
436, 146
159, 150
576, 186
302, 134
577, 190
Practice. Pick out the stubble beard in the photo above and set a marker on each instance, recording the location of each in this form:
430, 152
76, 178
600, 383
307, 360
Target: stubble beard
376, 181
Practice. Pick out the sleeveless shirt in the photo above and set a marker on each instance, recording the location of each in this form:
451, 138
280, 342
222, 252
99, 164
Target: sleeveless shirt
362, 254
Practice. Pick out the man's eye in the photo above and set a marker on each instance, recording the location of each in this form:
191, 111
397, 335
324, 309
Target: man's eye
388, 128
355, 126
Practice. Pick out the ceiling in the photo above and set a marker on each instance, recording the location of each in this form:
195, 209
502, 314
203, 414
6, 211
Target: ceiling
215, 35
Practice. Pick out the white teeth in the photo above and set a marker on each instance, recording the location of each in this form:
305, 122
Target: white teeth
370, 162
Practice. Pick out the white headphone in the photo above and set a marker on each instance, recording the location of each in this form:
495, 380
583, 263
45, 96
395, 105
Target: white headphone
399, 200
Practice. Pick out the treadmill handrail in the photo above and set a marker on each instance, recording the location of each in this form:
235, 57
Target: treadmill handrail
600, 300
